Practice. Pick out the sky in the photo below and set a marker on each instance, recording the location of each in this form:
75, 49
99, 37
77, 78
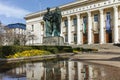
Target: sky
14, 11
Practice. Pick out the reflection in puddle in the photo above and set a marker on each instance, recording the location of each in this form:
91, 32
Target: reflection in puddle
61, 70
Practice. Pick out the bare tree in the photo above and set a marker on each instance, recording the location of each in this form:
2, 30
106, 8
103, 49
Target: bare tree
2, 34
30, 37
10, 36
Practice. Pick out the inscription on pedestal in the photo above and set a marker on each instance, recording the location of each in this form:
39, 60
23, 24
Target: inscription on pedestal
53, 41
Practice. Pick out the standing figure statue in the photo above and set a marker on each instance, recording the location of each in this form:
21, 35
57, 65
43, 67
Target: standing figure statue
48, 22
56, 22
53, 22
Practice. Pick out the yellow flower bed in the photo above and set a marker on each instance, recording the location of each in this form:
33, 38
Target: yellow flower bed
29, 53
75, 51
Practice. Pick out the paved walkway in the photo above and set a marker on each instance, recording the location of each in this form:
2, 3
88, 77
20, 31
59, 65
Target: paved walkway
111, 58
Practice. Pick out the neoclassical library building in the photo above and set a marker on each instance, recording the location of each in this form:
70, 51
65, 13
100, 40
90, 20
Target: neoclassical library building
83, 22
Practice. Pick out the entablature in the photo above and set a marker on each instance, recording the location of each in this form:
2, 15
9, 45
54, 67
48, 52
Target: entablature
67, 10
90, 7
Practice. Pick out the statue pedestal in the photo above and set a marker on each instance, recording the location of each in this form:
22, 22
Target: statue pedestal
53, 41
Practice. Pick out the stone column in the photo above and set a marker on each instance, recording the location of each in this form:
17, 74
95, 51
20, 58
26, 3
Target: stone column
61, 32
71, 70
101, 27
38, 71
45, 73
79, 69
116, 34
69, 30
78, 30
41, 33
91, 73
89, 28
44, 29
63, 71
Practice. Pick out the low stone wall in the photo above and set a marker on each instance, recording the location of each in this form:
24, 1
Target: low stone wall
36, 58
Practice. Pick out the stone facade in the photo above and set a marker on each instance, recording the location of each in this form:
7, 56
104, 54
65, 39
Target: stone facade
83, 22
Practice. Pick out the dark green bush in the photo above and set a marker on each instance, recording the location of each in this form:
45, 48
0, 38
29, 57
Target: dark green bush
84, 49
9, 50
94, 49
67, 50
16, 42
40, 47
54, 49
78, 49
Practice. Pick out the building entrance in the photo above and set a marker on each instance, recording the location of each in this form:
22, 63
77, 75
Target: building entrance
108, 28
96, 38
85, 30
108, 37
85, 39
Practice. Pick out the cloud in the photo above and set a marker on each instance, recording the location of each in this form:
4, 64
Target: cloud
12, 11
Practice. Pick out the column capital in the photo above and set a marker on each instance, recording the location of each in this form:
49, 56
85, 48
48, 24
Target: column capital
101, 11
68, 17
89, 13
115, 7
78, 15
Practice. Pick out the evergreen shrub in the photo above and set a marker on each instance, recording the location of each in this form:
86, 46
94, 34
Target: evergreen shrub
11, 50
80, 49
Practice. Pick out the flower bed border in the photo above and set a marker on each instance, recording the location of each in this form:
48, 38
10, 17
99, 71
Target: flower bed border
36, 58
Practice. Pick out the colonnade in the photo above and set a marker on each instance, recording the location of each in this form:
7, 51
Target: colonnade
115, 32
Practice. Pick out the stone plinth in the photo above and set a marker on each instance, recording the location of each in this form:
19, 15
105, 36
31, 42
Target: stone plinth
53, 41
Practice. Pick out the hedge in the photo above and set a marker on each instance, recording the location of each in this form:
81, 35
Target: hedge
54, 49
84, 49
10, 50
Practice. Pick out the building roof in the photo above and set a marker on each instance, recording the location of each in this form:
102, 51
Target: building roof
17, 25
62, 7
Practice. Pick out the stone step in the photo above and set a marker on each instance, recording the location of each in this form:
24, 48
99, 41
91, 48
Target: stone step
98, 46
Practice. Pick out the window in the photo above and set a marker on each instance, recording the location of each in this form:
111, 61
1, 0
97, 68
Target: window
66, 38
108, 22
75, 21
75, 38
32, 27
96, 23
85, 19
84, 24
96, 17
108, 15
66, 23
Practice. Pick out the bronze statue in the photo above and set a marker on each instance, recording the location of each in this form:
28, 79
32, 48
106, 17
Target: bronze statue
52, 22
56, 22
48, 20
